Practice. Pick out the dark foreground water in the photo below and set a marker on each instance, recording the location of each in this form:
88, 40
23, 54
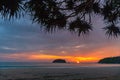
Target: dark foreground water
8, 65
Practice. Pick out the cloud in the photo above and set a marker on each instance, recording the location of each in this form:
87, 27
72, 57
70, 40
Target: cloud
21, 36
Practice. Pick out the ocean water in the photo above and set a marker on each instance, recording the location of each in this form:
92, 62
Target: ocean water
14, 65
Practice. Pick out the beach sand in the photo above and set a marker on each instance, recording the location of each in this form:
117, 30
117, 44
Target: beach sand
81, 73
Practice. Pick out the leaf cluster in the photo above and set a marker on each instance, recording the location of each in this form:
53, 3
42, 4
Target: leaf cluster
74, 15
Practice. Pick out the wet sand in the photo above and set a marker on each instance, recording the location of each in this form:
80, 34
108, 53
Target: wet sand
81, 73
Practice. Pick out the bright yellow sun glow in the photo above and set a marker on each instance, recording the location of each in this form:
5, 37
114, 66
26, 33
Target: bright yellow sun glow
77, 62
85, 59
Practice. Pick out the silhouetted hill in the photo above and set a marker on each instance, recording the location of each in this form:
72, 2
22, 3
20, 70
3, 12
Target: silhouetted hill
113, 60
59, 61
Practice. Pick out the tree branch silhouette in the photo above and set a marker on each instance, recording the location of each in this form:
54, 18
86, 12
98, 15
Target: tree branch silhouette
73, 15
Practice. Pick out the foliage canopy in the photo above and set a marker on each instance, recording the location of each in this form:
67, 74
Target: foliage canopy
74, 15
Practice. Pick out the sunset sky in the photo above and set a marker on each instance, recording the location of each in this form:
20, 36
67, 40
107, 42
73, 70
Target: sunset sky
22, 41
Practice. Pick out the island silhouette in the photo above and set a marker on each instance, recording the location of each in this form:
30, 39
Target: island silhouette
110, 60
59, 61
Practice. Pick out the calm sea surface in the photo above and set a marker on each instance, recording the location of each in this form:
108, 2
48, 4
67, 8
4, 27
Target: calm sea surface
8, 65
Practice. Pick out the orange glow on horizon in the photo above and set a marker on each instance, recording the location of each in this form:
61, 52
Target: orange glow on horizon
93, 56
68, 58
49, 58
86, 59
